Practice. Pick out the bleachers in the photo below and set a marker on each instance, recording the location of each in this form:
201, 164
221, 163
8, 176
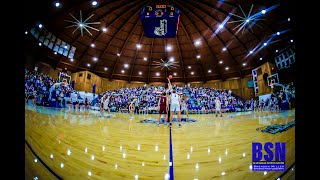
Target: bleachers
200, 100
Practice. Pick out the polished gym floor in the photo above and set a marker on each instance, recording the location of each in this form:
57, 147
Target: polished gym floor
67, 144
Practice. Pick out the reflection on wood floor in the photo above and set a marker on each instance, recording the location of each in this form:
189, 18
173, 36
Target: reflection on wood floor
82, 145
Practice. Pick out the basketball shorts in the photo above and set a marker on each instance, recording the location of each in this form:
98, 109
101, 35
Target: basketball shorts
163, 109
175, 107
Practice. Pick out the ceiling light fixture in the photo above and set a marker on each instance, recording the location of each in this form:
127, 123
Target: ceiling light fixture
82, 24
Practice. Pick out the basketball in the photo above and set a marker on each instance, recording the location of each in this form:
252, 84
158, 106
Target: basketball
170, 77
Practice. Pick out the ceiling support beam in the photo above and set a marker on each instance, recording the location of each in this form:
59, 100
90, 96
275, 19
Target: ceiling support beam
181, 61
235, 62
124, 45
195, 52
105, 50
135, 56
150, 59
227, 14
72, 6
123, 5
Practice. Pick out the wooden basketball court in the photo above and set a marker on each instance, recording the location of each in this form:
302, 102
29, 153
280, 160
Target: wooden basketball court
62, 144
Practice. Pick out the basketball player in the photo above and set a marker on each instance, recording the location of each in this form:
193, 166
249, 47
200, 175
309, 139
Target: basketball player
175, 106
136, 107
168, 92
85, 104
163, 108
270, 104
106, 104
184, 107
276, 104
70, 104
218, 106
168, 86
131, 108
256, 105
101, 104
34, 98
77, 106
261, 105
89, 104
203, 110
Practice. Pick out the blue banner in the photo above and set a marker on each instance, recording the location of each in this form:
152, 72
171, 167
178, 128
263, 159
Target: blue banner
93, 88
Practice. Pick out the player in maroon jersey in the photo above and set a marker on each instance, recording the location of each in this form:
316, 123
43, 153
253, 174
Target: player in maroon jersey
163, 107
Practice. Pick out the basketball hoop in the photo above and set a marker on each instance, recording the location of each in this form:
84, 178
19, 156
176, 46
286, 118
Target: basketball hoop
273, 80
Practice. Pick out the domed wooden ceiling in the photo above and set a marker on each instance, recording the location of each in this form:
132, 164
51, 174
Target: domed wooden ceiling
210, 44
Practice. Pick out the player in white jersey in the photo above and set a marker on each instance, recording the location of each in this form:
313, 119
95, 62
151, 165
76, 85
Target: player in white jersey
101, 104
168, 90
131, 107
217, 103
184, 107
106, 104
256, 105
175, 106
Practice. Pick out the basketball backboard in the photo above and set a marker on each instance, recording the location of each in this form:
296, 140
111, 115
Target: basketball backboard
274, 78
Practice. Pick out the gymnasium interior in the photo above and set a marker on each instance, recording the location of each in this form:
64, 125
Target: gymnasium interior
80, 52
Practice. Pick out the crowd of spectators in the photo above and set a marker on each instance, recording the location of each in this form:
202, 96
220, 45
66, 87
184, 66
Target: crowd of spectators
42, 90
198, 99
37, 87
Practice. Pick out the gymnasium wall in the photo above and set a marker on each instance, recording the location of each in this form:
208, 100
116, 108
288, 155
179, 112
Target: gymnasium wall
85, 79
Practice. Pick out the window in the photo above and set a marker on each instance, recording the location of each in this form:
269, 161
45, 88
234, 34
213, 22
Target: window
61, 48
36, 34
80, 74
43, 33
57, 45
32, 31
89, 76
66, 48
71, 53
52, 42
47, 39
